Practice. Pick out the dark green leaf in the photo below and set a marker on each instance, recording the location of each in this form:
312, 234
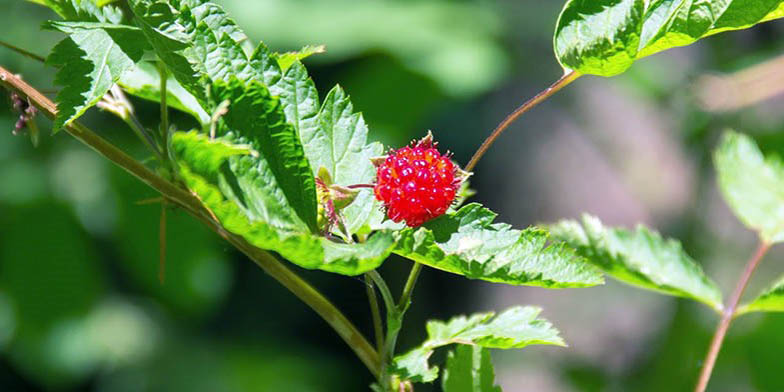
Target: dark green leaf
752, 184
641, 258
258, 119
90, 61
468, 243
770, 300
604, 37
515, 328
469, 369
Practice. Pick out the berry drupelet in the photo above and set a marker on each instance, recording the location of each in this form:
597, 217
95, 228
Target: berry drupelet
417, 183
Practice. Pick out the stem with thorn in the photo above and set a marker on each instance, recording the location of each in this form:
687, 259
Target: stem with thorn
569, 77
727, 316
191, 204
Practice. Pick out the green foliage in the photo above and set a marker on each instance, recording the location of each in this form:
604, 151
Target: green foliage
468, 243
144, 81
604, 37
83, 10
90, 61
770, 300
752, 185
516, 327
469, 369
239, 196
640, 258
206, 155
258, 119
285, 60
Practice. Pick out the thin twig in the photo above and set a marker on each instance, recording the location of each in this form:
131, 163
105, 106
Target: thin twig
375, 311
190, 203
726, 319
23, 52
539, 98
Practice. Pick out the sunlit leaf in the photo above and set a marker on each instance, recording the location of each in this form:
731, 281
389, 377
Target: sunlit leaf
90, 61
639, 257
516, 327
468, 243
285, 60
770, 300
604, 37
752, 185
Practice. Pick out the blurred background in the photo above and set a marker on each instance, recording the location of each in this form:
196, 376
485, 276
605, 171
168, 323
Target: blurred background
81, 308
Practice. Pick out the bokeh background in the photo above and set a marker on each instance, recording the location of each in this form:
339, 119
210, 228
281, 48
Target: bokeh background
81, 308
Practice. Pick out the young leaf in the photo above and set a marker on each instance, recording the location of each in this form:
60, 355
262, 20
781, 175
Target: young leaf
257, 118
770, 300
90, 61
516, 327
469, 369
235, 188
468, 243
285, 60
144, 82
752, 184
604, 37
641, 258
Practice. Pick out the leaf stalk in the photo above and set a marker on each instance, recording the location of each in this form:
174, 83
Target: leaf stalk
727, 317
565, 80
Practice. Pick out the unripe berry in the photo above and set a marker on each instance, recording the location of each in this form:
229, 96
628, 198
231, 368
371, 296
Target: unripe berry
417, 183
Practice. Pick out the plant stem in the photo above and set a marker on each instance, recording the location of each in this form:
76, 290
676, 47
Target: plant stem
174, 194
727, 316
164, 111
23, 52
408, 289
375, 311
528, 105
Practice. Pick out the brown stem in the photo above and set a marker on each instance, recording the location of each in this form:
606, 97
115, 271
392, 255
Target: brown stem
528, 105
190, 203
727, 316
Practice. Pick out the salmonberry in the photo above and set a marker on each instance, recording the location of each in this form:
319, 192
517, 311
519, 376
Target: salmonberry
417, 183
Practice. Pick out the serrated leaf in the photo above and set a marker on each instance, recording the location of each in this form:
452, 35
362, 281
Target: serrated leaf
90, 61
144, 82
604, 37
752, 185
285, 60
468, 243
234, 200
516, 327
83, 10
770, 300
338, 143
257, 118
640, 258
469, 369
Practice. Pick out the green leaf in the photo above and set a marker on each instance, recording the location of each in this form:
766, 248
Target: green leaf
604, 37
770, 300
206, 155
468, 243
640, 258
285, 60
237, 201
83, 10
339, 144
469, 369
144, 82
516, 327
257, 118
90, 61
752, 184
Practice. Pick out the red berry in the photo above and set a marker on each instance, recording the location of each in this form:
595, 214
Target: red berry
416, 183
